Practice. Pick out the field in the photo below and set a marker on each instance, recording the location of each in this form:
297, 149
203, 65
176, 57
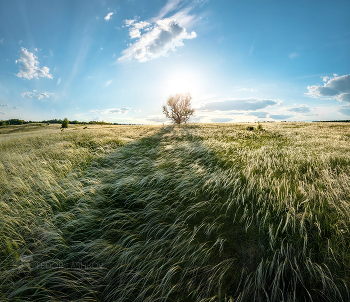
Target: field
201, 212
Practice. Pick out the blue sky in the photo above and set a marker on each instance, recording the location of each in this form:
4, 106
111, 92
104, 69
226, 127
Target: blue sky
119, 61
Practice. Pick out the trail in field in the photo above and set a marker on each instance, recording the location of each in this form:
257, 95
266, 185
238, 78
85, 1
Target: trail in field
197, 213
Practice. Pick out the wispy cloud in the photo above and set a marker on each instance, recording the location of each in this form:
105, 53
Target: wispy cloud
59, 81
170, 6
108, 17
112, 111
20, 42
4, 105
292, 55
251, 50
29, 68
35, 95
246, 89
138, 110
108, 83
2, 41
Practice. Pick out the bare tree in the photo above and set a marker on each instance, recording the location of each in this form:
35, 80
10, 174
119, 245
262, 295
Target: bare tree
178, 108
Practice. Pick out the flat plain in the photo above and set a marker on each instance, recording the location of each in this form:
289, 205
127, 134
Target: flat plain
200, 212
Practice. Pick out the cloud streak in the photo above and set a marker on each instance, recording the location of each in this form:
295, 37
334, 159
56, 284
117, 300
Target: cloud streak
300, 109
34, 95
112, 111
238, 105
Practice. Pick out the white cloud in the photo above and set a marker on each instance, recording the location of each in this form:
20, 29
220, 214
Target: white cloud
337, 87
108, 17
280, 116
293, 55
34, 95
20, 42
259, 114
239, 105
2, 113
135, 27
59, 81
344, 97
108, 83
17, 107
344, 110
300, 109
29, 68
138, 110
157, 118
221, 119
4, 105
112, 110
157, 38
246, 89
96, 118
2, 41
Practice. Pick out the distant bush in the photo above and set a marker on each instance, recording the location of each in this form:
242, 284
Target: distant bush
259, 127
65, 123
250, 128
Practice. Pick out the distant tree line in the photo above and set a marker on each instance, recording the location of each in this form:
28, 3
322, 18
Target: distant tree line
54, 121
13, 122
335, 121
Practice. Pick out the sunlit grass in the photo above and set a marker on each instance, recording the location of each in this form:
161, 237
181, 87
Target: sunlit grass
202, 212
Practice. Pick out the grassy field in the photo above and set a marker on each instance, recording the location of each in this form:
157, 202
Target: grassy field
203, 212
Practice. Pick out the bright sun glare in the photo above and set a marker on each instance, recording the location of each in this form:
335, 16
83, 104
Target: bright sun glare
182, 82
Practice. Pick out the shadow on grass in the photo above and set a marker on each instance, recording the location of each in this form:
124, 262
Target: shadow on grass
164, 218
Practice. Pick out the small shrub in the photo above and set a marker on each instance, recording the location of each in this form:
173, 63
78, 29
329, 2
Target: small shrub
65, 123
259, 127
250, 128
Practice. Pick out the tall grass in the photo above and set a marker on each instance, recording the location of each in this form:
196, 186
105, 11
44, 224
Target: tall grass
195, 213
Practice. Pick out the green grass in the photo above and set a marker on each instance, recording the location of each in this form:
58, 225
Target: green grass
203, 212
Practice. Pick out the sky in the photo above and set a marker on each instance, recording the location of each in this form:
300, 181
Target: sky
119, 61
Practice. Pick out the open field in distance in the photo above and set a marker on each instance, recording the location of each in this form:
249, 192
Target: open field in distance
201, 212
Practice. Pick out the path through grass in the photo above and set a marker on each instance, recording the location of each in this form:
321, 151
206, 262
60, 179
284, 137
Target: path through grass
195, 213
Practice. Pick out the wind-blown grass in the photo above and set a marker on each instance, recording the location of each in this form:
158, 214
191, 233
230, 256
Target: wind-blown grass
195, 213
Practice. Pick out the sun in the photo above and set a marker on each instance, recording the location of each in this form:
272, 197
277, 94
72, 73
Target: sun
182, 82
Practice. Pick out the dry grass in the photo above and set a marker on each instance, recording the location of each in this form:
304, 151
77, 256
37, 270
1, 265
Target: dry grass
202, 212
